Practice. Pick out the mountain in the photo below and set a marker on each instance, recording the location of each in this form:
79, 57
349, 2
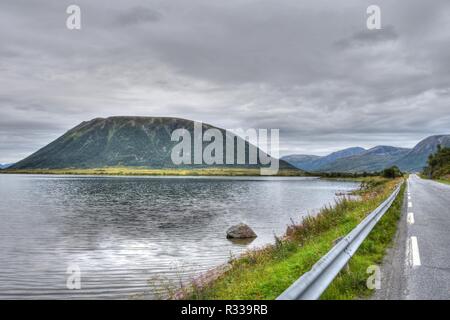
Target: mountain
121, 141
416, 159
301, 161
316, 163
5, 165
375, 159
335, 156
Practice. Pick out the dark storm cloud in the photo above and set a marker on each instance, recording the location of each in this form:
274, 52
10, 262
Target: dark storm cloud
309, 68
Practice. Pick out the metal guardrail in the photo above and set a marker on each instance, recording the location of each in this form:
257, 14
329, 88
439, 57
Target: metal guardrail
312, 284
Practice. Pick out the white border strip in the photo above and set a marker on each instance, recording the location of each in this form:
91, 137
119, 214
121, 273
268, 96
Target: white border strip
410, 218
415, 254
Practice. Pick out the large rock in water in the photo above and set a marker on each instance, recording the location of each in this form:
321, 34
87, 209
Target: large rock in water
240, 231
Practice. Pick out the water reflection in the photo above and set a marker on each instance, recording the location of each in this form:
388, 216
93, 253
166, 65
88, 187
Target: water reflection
124, 231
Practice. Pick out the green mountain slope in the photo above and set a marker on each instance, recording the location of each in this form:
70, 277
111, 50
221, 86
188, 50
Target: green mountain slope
118, 141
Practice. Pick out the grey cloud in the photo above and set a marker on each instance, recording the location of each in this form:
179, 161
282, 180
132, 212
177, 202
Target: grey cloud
306, 67
138, 15
368, 37
8, 53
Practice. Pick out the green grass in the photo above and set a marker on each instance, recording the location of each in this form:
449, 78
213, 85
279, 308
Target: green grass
442, 180
352, 284
265, 273
140, 171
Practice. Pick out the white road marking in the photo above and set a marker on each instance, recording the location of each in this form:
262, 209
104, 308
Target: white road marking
409, 197
415, 255
410, 218
409, 204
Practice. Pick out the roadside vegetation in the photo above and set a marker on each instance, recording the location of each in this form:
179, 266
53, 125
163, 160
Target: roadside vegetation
391, 172
445, 180
142, 171
438, 165
266, 272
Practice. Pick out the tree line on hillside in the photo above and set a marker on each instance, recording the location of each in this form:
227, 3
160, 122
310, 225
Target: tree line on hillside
438, 165
391, 173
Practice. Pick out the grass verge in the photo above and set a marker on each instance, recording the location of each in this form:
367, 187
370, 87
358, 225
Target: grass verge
265, 273
140, 171
444, 179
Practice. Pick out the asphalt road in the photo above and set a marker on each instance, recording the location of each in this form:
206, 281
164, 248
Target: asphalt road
418, 265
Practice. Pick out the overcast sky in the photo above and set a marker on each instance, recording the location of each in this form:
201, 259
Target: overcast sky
310, 68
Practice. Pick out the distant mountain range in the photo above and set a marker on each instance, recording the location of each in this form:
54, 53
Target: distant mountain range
314, 163
5, 165
122, 141
374, 159
357, 159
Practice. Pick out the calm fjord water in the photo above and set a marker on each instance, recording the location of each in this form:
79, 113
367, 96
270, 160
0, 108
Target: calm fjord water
133, 235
